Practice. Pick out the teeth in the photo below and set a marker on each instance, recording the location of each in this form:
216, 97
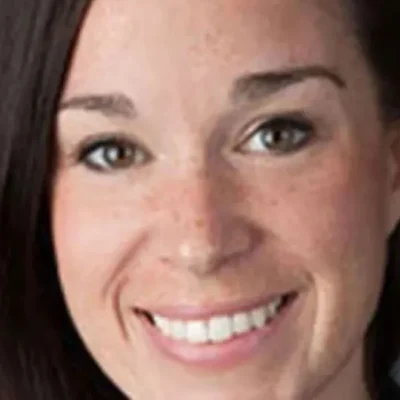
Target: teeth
220, 328
274, 306
259, 316
241, 323
178, 330
163, 324
196, 332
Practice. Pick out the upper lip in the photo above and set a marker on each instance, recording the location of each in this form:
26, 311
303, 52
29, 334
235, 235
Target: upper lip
193, 312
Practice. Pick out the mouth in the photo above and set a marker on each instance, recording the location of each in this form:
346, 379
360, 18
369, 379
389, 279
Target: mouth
220, 337
218, 328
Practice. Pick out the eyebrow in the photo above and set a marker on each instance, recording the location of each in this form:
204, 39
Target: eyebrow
248, 88
110, 105
254, 86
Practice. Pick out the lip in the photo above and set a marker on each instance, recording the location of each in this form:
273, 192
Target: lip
220, 355
189, 312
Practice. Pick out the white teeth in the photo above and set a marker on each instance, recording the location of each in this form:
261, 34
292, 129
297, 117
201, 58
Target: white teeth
241, 323
259, 316
163, 324
178, 330
219, 328
196, 332
274, 306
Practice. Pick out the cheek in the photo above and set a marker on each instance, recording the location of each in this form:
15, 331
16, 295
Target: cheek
94, 232
103, 233
331, 216
327, 216
333, 219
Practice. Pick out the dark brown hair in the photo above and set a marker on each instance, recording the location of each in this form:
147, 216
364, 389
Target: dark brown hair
41, 355
378, 29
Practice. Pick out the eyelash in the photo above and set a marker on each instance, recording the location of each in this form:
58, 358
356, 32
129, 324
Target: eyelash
136, 154
299, 127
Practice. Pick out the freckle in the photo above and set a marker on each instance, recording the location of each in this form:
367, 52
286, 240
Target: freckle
292, 189
176, 217
274, 202
164, 260
199, 223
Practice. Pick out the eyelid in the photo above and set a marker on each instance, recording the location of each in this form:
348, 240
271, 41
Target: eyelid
296, 116
100, 142
91, 142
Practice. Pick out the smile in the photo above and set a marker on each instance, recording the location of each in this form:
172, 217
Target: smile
217, 339
219, 328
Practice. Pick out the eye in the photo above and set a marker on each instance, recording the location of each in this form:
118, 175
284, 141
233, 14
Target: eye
279, 135
113, 154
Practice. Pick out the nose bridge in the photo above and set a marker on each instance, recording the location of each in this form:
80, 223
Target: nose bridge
202, 229
200, 221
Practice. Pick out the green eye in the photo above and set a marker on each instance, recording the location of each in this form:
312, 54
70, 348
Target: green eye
113, 154
280, 135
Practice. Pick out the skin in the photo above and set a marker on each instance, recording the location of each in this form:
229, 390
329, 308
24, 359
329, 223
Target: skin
207, 218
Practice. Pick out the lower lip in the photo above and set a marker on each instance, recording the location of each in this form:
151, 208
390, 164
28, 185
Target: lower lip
219, 355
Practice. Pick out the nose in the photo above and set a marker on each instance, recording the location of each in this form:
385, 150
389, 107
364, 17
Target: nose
203, 230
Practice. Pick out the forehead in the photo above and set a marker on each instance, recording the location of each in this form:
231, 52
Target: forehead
196, 42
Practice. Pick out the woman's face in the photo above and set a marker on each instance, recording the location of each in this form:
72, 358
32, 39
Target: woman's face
223, 198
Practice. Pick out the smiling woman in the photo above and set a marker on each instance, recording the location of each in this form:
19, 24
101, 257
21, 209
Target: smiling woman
200, 200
